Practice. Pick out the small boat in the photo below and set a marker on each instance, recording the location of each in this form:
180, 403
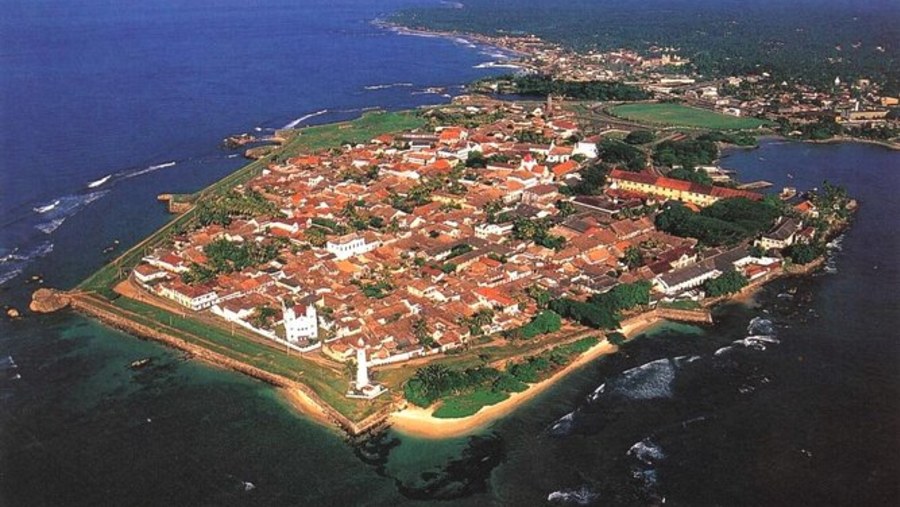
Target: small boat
140, 363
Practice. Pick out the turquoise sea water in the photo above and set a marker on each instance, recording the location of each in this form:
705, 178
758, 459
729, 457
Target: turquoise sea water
749, 426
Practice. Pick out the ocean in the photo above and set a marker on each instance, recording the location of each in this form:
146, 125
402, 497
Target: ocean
803, 413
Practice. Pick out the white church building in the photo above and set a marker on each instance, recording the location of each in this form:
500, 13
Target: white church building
301, 322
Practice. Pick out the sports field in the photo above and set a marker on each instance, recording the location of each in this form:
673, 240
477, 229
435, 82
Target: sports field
677, 115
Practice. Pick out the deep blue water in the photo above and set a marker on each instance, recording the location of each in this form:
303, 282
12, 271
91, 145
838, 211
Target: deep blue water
95, 88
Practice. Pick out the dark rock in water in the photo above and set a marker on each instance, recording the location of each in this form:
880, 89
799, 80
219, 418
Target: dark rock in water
48, 300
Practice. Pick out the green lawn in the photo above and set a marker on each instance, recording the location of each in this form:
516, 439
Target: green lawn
361, 130
465, 405
681, 305
683, 116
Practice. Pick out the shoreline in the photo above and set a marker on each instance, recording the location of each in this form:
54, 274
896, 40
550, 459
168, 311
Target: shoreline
418, 422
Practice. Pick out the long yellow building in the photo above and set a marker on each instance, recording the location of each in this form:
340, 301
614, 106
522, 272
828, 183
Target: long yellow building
672, 189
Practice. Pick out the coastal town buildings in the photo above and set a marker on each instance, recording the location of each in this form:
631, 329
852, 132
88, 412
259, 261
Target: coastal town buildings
414, 244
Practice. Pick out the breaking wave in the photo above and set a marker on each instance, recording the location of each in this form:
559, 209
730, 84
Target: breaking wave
63, 208
149, 169
101, 181
760, 326
46, 207
563, 425
496, 65
301, 119
577, 496
647, 452
387, 86
13, 263
52, 225
646, 382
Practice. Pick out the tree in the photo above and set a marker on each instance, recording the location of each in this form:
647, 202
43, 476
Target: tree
540, 296
566, 208
633, 258
421, 332
547, 321
802, 253
640, 137
316, 236
727, 283
692, 175
616, 338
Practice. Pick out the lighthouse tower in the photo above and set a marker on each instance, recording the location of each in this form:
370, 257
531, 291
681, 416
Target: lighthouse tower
362, 369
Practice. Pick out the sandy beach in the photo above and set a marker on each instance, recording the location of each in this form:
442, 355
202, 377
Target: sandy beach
418, 422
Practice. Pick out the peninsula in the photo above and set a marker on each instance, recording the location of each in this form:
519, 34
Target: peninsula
462, 256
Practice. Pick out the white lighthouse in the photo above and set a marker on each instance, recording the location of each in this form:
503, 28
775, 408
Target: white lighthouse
362, 369
363, 387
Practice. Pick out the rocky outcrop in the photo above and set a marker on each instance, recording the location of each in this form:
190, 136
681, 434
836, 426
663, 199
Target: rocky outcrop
48, 300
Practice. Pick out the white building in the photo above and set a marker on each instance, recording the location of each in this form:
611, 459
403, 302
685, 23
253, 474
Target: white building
194, 297
680, 280
301, 322
350, 245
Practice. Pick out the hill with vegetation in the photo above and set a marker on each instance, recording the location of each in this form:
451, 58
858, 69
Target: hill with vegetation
812, 41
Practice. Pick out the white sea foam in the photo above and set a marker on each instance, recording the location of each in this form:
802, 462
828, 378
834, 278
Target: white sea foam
496, 65
723, 350
646, 382
757, 342
52, 225
148, 169
563, 425
13, 263
577, 496
386, 86
101, 181
647, 452
760, 326
301, 119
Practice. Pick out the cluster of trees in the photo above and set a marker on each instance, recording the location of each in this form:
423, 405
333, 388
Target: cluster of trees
539, 232
727, 283
692, 175
803, 253
476, 322
736, 138
825, 128
531, 84
222, 210
545, 322
603, 311
593, 179
223, 256
376, 290
621, 154
832, 201
640, 137
726, 222
687, 153
435, 381
477, 160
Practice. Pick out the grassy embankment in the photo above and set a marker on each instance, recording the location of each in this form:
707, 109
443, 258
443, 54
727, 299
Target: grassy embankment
677, 115
329, 384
